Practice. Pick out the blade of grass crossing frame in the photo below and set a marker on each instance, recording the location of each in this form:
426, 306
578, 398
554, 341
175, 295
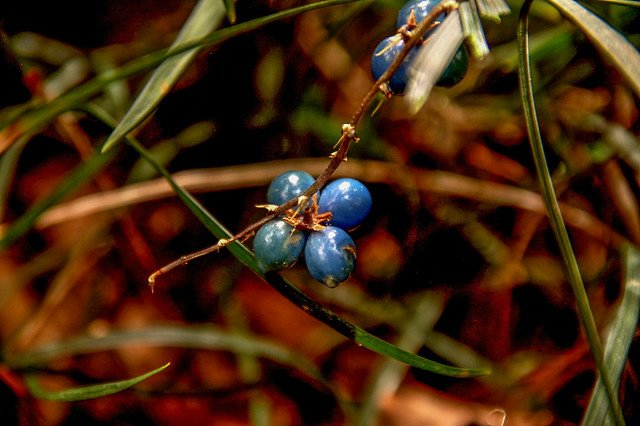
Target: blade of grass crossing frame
619, 338
230, 5
205, 17
472, 29
431, 60
288, 290
8, 164
80, 175
192, 337
555, 216
613, 45
85, 392
37, 117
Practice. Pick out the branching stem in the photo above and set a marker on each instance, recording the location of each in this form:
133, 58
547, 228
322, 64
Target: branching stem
338, 157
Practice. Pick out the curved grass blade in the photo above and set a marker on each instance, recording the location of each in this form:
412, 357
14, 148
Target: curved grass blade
85, 392
619, 338
288, 290
386, 379
432, 59
79, 176
553, 209
205, 17
37, 117
192, 337
472, 29
8, 165
613, 45
230, 6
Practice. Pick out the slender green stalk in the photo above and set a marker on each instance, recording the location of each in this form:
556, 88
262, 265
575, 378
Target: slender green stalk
619, 337
555, 216
85, 392
288, 290
39, 116
80, 175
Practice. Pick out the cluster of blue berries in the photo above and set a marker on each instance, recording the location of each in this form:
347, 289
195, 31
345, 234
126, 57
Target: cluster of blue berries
318, 229
410, 15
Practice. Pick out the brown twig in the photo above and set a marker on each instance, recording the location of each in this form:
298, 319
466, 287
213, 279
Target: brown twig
338, 157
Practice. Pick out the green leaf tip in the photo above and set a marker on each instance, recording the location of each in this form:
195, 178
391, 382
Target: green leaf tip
204, 19
385, 348
85, 392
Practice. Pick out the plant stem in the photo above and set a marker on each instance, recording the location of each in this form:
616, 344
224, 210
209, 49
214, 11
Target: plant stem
347, 137
555, 216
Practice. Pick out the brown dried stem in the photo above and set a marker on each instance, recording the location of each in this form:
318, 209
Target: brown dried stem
346, 138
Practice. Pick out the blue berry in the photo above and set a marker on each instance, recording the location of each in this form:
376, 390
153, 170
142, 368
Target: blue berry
330, 256
277, 245
421, 9
288, 185
381, 62
348, 200
456, 70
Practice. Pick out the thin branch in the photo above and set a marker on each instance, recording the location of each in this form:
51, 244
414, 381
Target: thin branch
337, 158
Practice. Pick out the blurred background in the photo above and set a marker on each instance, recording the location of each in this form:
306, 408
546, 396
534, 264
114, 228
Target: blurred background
456, 262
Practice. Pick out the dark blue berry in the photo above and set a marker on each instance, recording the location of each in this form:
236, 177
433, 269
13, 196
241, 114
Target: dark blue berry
348, 200
330, 256
380, 62
456, 70
421, 9
288, 185
277, 245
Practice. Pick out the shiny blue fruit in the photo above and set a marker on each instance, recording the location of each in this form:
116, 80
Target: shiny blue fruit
380, 62
421, 9
348, 200
288, 185
330, 256
277, 245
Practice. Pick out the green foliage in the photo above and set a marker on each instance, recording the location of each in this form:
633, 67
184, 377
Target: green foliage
86, 392
544, 61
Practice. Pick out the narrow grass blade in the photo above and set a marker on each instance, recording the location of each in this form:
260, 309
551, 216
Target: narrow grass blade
192, 337
386, 379
613, 45
634, 3
80, 175
205, 17
8, 164
619, 338
305, 302
37, 117
432, 59
85, 392
493, 9
230, 5
288, 290
472, 29
555, 216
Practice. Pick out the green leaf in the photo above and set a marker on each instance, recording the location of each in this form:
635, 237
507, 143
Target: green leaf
473, 31
299, 298
194, 337
85, 392
432, 59
619, 338
287, 289
613, 45
205, 17
555, 215
80, 175
37, 117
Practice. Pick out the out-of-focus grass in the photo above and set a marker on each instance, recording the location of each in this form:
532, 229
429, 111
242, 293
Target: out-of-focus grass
86, 392
456, 217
